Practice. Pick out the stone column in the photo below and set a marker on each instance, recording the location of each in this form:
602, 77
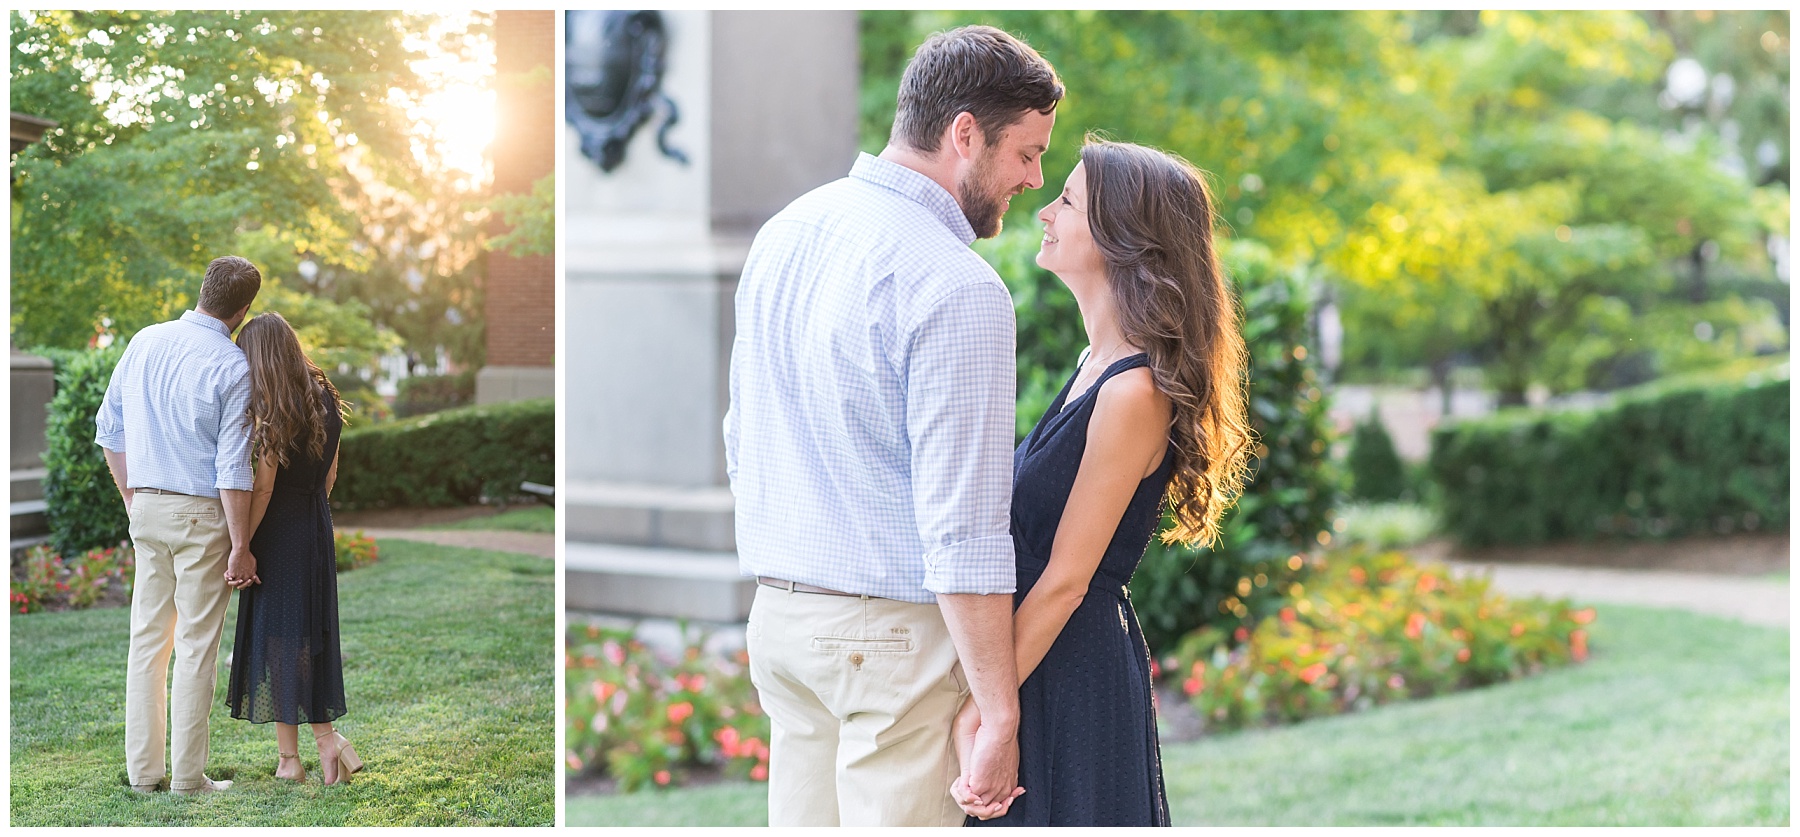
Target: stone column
767, 106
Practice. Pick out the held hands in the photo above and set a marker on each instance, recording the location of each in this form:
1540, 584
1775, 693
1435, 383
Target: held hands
990, 766
240, 568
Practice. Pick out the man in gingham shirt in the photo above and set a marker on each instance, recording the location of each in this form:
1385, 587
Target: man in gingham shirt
869, 445
173, 427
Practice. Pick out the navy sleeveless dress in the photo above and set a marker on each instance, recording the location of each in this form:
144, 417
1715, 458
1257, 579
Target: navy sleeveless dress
286, 665
1088, 752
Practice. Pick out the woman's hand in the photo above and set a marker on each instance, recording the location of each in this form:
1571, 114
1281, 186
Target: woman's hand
963, 730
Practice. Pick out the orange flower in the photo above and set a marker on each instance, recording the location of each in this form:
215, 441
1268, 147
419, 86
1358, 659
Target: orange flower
1357, 575
1583, 616
1287, 615
1462, 655
1578, 644
1415, 626
1518, 629
1427, 583
679, 712
1311, 673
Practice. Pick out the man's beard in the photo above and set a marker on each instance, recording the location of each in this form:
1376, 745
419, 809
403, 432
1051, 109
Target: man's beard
983, 203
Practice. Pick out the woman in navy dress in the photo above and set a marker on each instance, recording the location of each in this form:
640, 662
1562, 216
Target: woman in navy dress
1153, 419
286, 665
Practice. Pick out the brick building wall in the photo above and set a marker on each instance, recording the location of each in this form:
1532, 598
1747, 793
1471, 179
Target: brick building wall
521, 291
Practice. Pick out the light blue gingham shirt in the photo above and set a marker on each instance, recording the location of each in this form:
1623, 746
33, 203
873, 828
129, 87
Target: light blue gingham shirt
870, 434
176, 408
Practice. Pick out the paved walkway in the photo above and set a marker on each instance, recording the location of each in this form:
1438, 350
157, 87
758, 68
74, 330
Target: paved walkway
541, 544
1759, 601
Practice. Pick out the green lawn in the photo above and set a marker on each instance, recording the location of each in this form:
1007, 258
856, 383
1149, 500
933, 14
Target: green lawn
523, 519
1677, 719
449, 669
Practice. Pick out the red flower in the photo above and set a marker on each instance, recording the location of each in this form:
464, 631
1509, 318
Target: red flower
1193, 685
1311, 673
1287, 615
727, 737
1415, 626
679, 712
1462, 655
1155, 670
1241, 634
661, 777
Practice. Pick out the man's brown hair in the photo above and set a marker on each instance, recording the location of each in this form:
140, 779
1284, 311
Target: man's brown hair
994, 76
231, 283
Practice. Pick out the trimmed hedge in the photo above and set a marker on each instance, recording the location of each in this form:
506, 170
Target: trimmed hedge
85, 511
1660, 462
1375, 469
451, 458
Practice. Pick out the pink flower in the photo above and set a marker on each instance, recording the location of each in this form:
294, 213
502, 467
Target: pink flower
679, 712
661, 777
574, 762
614, 654
760, 773
1193, 685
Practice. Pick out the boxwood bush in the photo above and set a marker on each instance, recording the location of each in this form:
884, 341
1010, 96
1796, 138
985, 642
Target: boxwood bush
85, 510
1287, 508
1661, 461
450, 458
1376, 472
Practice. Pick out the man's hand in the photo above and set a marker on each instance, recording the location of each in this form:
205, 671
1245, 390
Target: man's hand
990, 771
240, 569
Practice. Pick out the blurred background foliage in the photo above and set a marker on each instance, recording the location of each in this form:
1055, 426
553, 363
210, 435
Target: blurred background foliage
1568, 200
315, 143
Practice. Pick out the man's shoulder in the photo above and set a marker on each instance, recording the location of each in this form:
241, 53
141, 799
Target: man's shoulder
193, 343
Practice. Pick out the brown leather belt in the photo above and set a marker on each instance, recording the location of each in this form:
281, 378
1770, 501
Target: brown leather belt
797, 587
161, 491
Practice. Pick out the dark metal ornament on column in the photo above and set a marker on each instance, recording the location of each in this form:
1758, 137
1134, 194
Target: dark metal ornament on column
614, 65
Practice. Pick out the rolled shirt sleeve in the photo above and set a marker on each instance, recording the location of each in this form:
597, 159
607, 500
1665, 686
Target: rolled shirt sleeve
232, 462
109, 420
960, 382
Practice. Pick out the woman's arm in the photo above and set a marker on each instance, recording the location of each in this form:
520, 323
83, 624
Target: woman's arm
262, 487
331, 475
1128, 435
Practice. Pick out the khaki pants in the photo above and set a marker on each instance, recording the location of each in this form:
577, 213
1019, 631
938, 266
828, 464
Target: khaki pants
177, 605
860, 693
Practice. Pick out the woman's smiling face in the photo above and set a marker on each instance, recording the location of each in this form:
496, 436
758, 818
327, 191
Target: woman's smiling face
1068, 245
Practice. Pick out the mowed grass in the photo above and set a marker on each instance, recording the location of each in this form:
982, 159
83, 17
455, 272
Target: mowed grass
1677, 719
449, 667
524, 519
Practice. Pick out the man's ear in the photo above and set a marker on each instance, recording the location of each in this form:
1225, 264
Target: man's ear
964, 136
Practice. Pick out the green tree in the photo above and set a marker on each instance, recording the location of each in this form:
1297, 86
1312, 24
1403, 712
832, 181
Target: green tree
184, 135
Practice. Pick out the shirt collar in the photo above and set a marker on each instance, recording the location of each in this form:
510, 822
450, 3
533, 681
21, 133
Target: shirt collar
208, 321
915, 187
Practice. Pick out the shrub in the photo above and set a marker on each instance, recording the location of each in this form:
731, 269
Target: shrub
1661, 461
41, 580
645, 720
1371, 628
354, 551
85, 509
1386, 525
1375, 469
423, 394
451, 458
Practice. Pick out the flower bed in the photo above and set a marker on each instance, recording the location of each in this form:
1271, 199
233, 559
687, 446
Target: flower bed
1368, 629
644, 719
42, 580
102, 577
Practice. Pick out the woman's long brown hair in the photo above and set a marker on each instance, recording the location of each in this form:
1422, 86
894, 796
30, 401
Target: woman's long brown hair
1151, 216
287, 410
